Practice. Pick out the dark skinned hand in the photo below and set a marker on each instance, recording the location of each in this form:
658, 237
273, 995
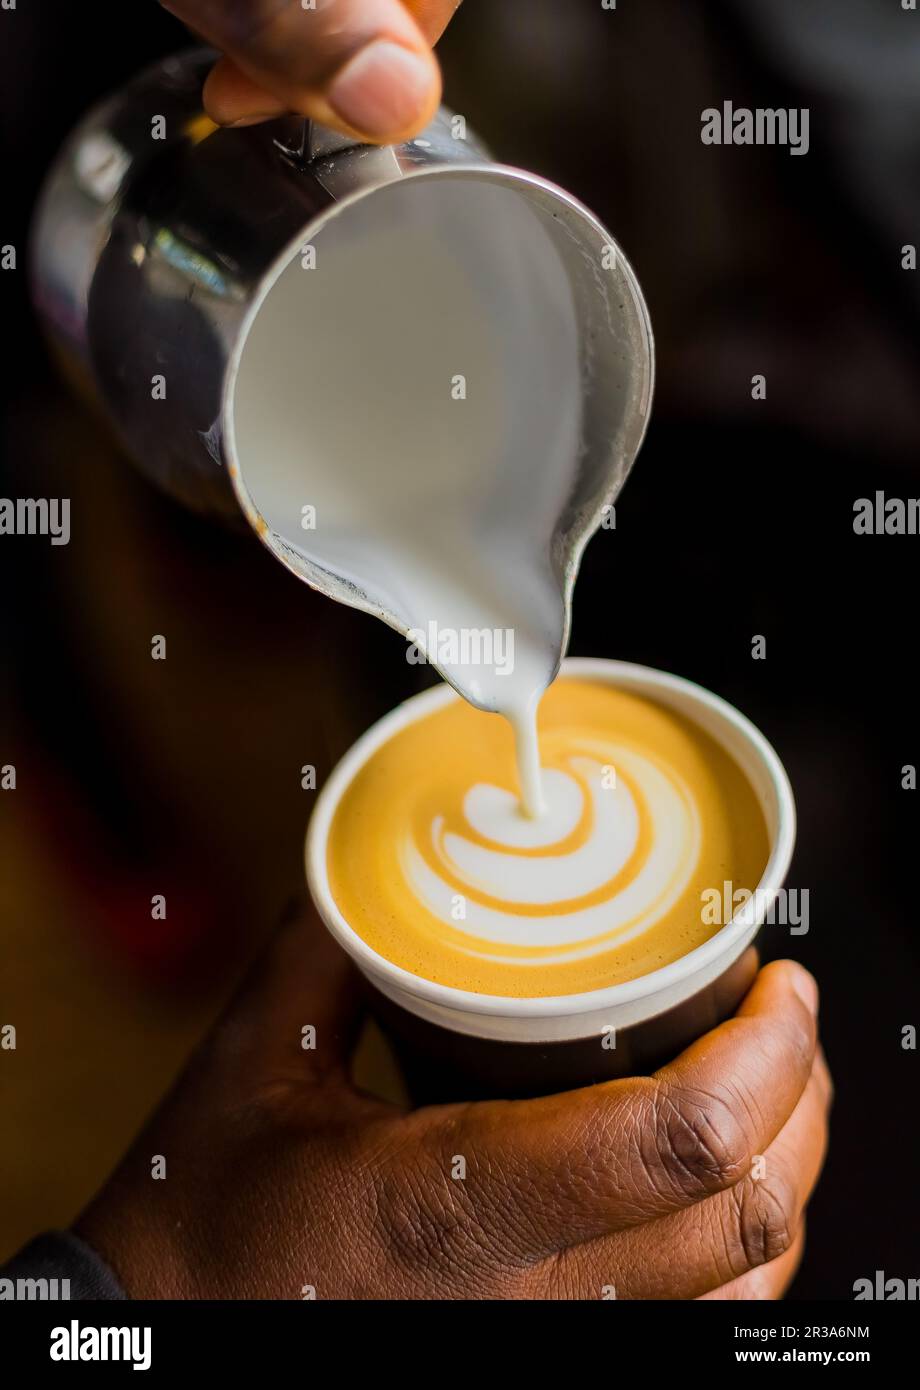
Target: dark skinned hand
282, 1177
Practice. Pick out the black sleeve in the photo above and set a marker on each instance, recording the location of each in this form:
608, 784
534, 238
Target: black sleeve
63, 1256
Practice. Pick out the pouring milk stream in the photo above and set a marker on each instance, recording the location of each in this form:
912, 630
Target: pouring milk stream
426, 442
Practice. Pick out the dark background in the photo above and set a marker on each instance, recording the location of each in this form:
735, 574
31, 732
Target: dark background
736, 521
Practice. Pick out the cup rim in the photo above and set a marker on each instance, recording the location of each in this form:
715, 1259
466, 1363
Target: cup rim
620, 674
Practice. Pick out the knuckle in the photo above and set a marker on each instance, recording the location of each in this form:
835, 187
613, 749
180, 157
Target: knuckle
700, 1143
764, 1222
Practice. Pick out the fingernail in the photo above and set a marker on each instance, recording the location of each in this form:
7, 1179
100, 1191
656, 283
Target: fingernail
255, 119
806, 988
383, 89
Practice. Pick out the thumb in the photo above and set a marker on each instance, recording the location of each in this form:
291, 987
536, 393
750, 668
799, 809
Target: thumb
361, 66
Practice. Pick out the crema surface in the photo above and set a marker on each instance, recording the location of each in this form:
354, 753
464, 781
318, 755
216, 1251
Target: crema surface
432, 862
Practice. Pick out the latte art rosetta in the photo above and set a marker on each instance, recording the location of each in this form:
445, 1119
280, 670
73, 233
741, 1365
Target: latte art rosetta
617, 849
433, 863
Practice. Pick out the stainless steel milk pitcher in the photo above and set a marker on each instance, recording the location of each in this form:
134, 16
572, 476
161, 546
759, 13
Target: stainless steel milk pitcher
158, 236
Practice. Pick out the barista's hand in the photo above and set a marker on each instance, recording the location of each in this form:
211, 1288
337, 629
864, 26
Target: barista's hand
365, 67
279, 1175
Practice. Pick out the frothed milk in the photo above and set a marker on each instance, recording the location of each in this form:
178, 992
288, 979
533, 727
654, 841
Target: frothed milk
433, 426
429, 861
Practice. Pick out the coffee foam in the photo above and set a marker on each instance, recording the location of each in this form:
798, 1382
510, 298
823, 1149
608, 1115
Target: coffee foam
432, 862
